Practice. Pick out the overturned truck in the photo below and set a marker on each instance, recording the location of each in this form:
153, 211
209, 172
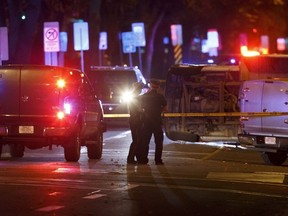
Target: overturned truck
205, 98
201, 90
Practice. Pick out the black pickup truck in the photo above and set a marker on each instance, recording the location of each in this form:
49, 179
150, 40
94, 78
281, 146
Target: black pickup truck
42, 106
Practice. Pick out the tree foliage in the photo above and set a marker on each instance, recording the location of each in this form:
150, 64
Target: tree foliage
230, 18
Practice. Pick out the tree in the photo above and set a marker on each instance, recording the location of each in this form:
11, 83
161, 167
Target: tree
66, 12
115, 16
118, 17
21, 32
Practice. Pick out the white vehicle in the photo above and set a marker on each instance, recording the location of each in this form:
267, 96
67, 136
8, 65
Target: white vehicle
268, 134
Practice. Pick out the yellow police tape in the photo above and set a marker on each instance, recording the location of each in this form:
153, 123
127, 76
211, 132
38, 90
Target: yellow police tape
219, 114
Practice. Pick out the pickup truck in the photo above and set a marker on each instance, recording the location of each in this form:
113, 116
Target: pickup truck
42, 106
268, 133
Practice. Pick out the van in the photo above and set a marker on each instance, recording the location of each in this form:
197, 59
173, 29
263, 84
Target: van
266, 133
43, 106
113, 85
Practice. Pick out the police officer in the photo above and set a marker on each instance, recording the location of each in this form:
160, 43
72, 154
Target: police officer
153, 105
135, 121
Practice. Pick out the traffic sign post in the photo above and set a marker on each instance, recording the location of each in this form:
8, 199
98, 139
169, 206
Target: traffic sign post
139, 34
81, 36
63, 47
3, 44
128, 45
103, 41
139, 39
102, 45
63, 41
128, 42
51, 37
81, 39
51, 42
177, 41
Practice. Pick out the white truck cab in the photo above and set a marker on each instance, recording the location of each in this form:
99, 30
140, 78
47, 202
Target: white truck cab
267, 133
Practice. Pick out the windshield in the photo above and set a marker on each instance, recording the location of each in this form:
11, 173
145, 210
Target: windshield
109, 84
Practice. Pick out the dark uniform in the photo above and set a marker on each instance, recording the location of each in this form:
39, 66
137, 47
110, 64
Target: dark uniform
135, 123
153, 105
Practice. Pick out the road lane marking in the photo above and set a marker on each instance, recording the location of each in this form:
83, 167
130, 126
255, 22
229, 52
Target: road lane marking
126, 187
120, 135
195, 188
94, 196
49, 208
251, 177
212, 154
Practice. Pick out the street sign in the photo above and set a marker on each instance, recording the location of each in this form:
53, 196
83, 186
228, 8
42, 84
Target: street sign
128, 42
176, 35
213, 38
81, 36
103, 41
3, 44
51, 37
139, 34
63, 41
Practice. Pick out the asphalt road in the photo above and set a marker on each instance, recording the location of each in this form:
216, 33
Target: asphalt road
196, 179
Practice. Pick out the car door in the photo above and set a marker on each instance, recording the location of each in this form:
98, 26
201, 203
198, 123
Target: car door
275, 99
251, 101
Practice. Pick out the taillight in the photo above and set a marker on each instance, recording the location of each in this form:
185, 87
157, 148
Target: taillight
61, 83
67, 109
60, 115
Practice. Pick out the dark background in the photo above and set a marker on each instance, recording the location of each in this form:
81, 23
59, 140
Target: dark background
230, 18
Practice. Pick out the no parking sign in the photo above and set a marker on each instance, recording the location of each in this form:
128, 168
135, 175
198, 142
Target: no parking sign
51, 37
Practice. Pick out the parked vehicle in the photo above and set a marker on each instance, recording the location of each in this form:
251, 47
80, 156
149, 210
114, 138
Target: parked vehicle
268, 134
113, 85
206, 96
43, 106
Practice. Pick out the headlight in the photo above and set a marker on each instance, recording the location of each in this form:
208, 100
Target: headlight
126, 96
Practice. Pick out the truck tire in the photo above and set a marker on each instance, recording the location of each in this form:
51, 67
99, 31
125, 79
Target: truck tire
16, 150
72, 147
94, 151
272, 158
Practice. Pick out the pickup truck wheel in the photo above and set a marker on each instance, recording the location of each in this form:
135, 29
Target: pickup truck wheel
94, 151
274, 158
72, 147
16, 150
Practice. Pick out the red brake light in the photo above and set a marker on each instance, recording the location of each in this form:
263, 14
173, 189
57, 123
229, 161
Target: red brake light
60, 115
67, 109
61, 83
